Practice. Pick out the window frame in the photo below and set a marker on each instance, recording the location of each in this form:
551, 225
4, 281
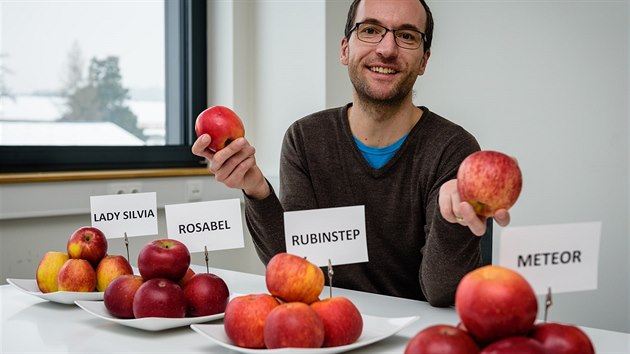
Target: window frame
186, 96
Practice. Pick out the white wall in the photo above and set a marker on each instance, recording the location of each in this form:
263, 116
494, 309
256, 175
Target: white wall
543, 81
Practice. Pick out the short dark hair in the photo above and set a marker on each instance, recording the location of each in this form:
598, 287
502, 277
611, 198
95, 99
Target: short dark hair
352, 13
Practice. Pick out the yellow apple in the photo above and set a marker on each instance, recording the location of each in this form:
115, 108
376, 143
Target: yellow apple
47, 270
109, 268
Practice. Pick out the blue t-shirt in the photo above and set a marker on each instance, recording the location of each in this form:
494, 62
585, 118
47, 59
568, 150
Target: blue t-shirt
378, 157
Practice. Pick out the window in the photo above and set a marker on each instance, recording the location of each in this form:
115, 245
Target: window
101, 84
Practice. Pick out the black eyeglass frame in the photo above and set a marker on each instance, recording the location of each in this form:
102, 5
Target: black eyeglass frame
422, 34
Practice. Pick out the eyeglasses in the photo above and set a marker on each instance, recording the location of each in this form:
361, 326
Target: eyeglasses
404, 38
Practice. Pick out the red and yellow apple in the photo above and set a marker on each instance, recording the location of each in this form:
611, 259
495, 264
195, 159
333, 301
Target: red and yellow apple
206, 294
76, 275
515, 345
87, 243
293, 325
343, 323
495, 302
489, 180
293, 278
164, 258
245, 317
222, 124
159, 297
559, 338
48, 269
441, 338
109, 268
119, 294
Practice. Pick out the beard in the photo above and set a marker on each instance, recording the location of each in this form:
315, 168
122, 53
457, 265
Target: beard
369, 95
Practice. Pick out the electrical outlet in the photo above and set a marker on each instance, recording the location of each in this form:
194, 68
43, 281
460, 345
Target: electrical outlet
194, 190
124, 188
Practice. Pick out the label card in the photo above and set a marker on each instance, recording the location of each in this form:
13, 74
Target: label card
216, 225
134, 214
337, 234
563, 257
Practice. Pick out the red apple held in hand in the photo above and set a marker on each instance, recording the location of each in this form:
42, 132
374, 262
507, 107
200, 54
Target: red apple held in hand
76, 275
109, 268
245, 319
119, 294
489, 180
159, 297
165, 258
293, 278
343, 323
206, 294
88, 243
495, 302
441, 338
48, 269
560, 338
512, 345
293, 325
222, 124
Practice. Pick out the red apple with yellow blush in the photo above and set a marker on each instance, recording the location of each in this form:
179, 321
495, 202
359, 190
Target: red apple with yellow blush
222, 124
489, 180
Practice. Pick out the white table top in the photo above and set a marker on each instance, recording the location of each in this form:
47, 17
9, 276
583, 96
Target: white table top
33, 325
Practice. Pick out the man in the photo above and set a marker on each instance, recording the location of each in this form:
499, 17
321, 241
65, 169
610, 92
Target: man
398, 160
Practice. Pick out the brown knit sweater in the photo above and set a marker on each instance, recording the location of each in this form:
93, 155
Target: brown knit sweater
413, 252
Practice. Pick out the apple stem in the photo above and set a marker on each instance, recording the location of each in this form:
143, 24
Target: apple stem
205, 253
127, 246
548, 302
330, 276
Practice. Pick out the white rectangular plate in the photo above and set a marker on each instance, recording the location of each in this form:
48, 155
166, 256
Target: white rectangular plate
374, 329
98, 309
29, 286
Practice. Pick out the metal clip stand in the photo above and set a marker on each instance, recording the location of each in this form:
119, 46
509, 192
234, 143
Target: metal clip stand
548, 302
330, 276
205, 253
127, 246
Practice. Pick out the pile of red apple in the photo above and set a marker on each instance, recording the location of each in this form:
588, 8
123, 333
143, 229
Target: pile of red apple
84, 267
292, 315
497, 308
166, 287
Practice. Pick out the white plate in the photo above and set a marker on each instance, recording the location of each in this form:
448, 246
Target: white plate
98, 309
374, 329
29, 286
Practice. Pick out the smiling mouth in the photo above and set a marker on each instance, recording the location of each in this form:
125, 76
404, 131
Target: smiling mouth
382, 70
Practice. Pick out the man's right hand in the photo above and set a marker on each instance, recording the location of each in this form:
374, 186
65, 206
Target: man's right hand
235, 166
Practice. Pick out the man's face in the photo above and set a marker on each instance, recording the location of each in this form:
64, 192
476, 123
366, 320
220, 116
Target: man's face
384, 73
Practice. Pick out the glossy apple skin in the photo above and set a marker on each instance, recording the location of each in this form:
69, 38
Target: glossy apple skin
159, 297
489, 180
222, 124
513, 345
441, 338
87, 243
245, 319
48, 269
109, 268
293, 278
164, 258
495, 302
343, 323
76, 275
293, 325
119, 294
206, 294
561, 338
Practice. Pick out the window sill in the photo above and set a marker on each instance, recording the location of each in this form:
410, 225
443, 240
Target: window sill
99, 175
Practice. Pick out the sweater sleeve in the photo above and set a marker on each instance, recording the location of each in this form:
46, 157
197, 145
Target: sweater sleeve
450, 250
264, 220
